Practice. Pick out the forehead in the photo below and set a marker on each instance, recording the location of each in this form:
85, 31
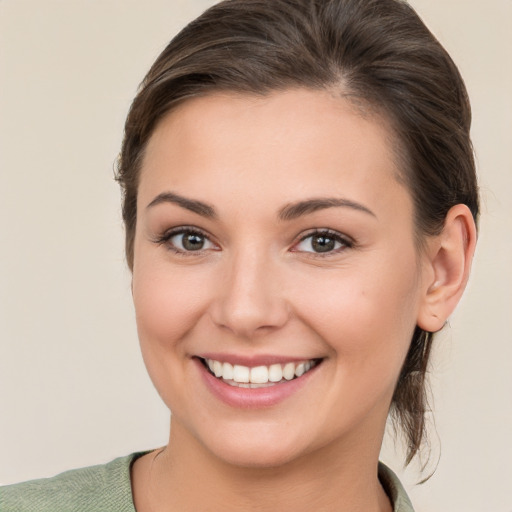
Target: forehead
281, 144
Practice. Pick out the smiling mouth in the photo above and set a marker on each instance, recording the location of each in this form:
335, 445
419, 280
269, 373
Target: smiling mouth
258, 376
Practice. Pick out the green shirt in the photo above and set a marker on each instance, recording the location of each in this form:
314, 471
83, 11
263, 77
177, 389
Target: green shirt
107, 488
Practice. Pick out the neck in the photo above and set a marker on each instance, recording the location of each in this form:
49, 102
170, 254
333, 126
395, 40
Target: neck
186, 476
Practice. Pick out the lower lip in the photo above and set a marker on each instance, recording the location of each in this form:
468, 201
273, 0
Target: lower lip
252, 398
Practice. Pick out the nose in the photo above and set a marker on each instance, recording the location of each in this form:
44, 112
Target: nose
250, 299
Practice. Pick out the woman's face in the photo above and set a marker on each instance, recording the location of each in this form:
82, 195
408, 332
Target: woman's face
273, 236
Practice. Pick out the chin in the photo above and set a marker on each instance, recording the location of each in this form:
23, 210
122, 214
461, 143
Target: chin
256, 455
256, 447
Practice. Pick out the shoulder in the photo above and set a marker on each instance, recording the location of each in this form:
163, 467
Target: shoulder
394, 490
91, 489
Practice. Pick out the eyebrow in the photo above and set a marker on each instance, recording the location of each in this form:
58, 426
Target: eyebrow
295, 210
203, 209
289, 212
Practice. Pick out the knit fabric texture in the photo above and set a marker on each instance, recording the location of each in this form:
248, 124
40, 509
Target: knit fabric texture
394, 489
107, 488
102, 488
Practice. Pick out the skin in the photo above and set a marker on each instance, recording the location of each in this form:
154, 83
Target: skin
258, 287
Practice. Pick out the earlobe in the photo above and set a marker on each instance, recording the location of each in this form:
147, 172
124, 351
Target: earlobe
449, 262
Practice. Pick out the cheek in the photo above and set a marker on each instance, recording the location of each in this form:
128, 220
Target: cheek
168, 305
366, 315
366, 324
168, 302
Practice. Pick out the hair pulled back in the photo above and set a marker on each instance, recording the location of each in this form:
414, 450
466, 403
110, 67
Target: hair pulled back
379, 54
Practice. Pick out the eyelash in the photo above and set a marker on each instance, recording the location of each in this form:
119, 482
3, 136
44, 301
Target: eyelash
346, 242
182, 230
164, 239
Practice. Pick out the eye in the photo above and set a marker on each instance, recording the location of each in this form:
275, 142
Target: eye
322, 242
186, 240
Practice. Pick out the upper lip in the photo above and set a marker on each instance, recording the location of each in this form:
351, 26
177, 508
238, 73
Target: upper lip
254, 359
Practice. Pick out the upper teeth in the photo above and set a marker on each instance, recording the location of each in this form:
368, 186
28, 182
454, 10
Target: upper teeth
259, 374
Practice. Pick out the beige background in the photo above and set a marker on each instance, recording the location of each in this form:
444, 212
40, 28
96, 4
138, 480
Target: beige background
73, 389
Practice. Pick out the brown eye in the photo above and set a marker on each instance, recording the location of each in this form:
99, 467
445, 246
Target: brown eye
189, 241
192, 242
322, 242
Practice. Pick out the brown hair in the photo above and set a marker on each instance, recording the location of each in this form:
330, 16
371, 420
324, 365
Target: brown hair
376, 52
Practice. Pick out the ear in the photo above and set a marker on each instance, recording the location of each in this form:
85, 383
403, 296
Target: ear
448, 262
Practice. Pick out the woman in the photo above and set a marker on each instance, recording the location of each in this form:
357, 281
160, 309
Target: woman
300, 204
